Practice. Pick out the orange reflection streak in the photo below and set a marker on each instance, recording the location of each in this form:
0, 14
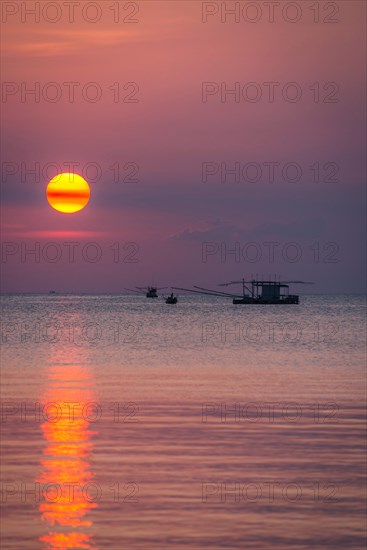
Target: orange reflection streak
66, 469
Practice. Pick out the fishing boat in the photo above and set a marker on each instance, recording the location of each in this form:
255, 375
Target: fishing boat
150, 291
171, 299
266, 292
255, 292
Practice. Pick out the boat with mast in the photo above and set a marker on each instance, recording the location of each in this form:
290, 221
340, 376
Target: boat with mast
150, 291
255, 292
172, 300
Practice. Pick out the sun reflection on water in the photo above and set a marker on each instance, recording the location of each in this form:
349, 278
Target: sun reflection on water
66, 470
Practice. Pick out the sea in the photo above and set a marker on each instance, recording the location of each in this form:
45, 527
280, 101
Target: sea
127, 423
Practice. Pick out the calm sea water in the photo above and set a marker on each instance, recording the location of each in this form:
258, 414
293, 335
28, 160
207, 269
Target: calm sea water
128, 423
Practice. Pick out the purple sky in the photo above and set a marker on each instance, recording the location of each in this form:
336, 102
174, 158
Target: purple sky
163, 139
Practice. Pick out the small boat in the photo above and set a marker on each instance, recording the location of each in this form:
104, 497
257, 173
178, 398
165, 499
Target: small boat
52, 292
171, 299
150, 291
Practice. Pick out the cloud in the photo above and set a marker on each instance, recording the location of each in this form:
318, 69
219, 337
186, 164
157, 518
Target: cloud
303, 229
69, 42
217, 230
213, 230
19, 231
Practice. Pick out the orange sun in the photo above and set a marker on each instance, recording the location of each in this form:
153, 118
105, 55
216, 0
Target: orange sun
68, 193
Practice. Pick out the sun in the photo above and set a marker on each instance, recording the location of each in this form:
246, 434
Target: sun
68, 193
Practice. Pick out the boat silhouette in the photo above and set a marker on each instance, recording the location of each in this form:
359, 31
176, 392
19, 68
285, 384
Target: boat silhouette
255, 292
171, 299
149, 291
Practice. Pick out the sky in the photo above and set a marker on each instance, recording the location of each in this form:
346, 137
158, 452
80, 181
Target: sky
216, 145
